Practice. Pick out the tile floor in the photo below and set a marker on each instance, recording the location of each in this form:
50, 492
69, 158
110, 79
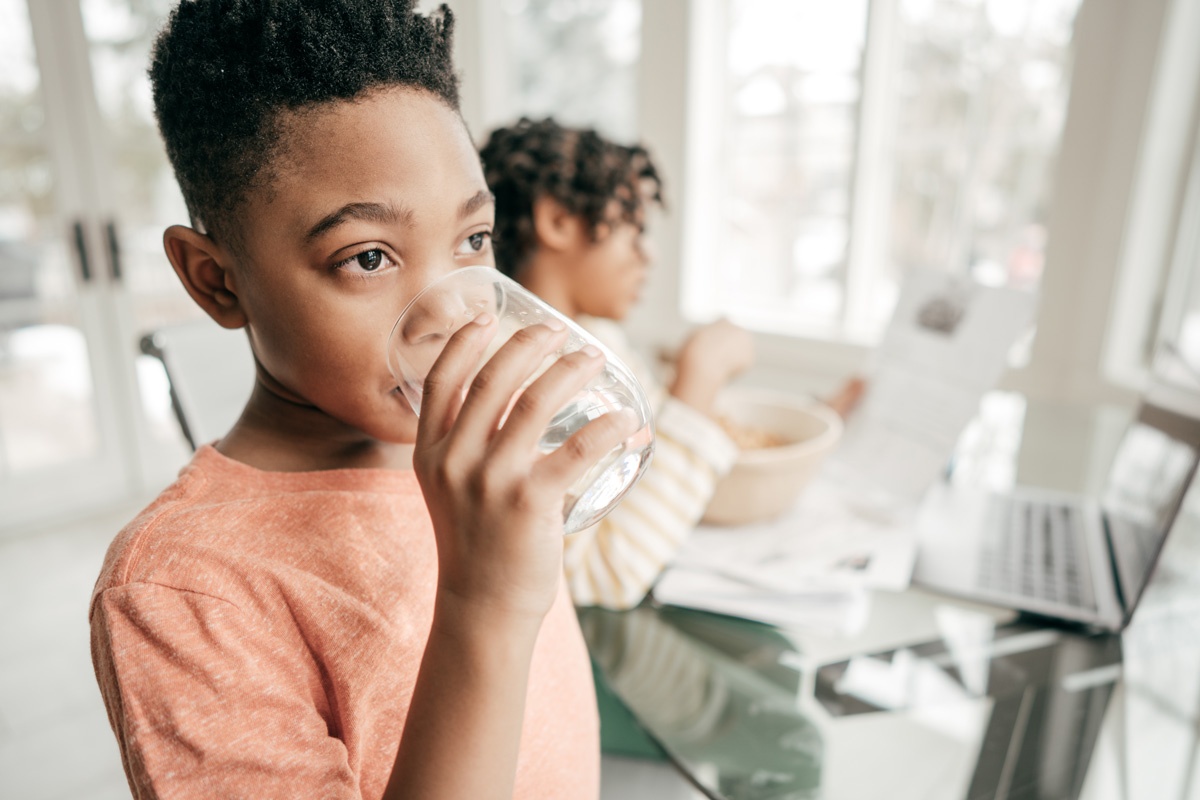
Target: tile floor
54, 736
55, 742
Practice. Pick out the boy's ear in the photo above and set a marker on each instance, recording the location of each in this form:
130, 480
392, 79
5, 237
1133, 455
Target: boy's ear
556, 227
203, 267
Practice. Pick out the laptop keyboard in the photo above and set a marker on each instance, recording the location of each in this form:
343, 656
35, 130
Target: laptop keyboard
1036, 549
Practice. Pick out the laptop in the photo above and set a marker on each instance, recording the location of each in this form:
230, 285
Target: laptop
1066, 556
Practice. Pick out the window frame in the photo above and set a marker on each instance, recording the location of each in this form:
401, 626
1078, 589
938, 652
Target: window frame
1163, 228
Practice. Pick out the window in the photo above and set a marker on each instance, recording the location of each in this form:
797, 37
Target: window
575, 60
143, 186
815, 152
856, 140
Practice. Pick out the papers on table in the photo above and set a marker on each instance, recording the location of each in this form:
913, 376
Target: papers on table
812, 567
947, 345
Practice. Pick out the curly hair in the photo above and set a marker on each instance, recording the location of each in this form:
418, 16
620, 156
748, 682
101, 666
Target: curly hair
577, 167
223, 73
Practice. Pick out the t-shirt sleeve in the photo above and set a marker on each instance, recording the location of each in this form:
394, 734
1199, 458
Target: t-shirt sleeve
207, 703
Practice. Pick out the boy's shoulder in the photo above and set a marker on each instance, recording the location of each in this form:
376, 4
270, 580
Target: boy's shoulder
222, 521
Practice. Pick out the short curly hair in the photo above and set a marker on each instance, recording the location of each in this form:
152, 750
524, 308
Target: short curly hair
223, 72
577, 167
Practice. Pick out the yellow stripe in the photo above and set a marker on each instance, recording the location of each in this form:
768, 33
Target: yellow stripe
629, 534
688, 482
653, 491
656, 525
583, 566
607, 561
596, 595
672, 457
685, 436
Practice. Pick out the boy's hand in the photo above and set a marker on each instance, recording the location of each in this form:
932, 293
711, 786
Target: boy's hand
711, 357
495, 500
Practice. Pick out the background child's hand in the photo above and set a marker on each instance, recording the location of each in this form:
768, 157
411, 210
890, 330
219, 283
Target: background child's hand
847, 397
711, 357
495, 501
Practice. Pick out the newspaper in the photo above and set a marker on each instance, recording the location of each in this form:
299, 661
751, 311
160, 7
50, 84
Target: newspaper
947, 345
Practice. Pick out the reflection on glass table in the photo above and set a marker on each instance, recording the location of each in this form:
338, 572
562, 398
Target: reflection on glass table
936, 697
1014, 717
723, 723
980, 711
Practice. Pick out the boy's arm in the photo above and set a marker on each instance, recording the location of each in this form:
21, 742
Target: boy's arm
496, 506
464, 723
205, 702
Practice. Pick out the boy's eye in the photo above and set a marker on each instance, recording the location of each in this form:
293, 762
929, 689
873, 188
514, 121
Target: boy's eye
367, 261
475, 243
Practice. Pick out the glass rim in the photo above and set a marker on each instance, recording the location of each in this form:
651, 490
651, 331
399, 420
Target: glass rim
474, 269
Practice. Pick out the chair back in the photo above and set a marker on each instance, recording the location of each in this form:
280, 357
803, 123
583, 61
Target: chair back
211, 373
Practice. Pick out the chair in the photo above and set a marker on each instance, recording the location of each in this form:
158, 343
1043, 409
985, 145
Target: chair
210, 371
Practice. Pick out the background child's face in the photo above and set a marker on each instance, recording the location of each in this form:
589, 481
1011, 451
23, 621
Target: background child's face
609, 272
373, 200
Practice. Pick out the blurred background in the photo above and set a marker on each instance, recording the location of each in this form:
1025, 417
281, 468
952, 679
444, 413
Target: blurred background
813, 153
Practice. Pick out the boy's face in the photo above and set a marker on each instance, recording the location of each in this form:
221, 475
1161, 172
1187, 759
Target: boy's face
373, 200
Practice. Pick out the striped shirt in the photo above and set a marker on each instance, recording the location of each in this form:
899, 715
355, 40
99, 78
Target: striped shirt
616, 562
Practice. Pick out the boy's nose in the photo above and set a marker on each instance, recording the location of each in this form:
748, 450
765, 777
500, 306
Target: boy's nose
441, 311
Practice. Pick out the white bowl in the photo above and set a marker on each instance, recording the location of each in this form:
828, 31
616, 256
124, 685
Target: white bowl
765, 482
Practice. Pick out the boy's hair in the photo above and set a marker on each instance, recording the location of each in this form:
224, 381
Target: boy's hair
577, 167
224, 71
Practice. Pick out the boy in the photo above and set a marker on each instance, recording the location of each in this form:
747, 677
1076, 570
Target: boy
337, 600
570, 224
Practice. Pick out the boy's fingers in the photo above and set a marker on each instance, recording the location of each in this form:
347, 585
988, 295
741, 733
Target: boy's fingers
533, 409
442, 393
589, 444
492, 390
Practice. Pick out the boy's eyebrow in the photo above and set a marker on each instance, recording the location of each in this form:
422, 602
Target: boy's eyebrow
481, 198
387, 213
371, 212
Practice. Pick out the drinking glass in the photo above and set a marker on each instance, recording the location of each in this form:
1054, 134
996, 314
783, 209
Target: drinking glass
446, 305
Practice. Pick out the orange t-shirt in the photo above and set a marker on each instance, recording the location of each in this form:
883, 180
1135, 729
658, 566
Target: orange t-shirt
258, 634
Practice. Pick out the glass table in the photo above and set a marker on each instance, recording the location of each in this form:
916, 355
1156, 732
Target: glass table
933, 697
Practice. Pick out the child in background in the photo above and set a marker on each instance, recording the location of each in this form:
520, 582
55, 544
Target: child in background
570, 224
336, 600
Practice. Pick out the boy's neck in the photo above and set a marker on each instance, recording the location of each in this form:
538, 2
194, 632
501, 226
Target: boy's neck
276, 434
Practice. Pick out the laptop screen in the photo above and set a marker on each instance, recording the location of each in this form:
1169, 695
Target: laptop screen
1149, 476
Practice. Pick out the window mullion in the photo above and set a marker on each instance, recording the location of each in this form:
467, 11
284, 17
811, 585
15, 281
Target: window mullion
705, 134
1184, 269
867, 251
